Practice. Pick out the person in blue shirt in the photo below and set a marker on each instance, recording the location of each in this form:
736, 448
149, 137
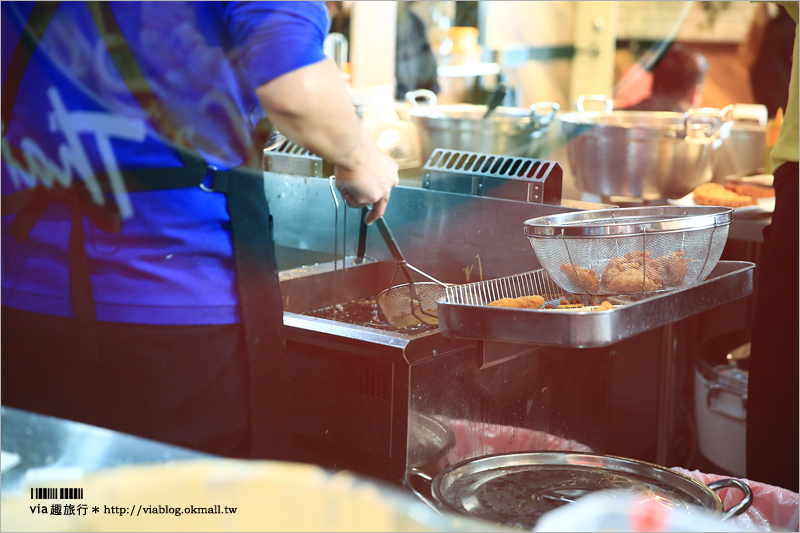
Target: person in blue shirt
139, 286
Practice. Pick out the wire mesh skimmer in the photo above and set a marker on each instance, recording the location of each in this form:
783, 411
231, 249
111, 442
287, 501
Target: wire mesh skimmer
413, 303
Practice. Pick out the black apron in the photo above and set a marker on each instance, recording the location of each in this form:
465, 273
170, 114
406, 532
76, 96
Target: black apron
251, 228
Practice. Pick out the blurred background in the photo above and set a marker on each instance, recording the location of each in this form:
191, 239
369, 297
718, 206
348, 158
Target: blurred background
633, 55
555, 51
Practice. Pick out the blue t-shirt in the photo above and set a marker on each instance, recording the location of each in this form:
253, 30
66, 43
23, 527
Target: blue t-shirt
74, 117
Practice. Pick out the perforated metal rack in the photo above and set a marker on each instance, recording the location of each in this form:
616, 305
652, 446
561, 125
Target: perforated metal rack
496, 176
285, 157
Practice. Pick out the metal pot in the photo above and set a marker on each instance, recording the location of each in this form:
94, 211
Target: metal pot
429, 442
507, 131
720, 402
646, 155
515, 489
745, 151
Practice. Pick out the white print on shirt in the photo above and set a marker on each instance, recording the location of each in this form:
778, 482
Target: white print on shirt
102, 126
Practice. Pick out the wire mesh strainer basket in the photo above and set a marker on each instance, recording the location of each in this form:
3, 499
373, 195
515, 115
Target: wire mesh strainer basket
411, 304
630, 251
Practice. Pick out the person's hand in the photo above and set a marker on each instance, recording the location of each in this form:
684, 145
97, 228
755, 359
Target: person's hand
370, 182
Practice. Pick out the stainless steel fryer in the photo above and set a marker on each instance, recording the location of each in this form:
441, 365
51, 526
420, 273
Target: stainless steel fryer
356, 389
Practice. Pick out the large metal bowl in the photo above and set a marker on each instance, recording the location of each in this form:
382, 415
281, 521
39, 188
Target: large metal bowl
507, 131
647, 155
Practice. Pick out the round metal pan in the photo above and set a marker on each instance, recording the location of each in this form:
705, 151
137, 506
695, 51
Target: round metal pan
515, 489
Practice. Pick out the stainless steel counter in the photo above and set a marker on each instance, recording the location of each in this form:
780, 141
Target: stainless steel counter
56, 449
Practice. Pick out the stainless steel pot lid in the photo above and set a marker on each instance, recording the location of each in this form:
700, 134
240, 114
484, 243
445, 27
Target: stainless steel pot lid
517, 488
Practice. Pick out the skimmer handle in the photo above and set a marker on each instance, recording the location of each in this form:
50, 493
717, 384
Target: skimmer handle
389, 239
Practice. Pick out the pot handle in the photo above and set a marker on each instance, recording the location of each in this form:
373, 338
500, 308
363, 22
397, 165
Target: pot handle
607, 103
543, 112
429, 97
410, 473
740, 507
714, 390
723, 118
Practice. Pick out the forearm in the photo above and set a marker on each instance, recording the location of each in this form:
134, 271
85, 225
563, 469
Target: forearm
311, 106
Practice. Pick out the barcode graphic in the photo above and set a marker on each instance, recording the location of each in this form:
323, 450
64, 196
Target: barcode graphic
52, 493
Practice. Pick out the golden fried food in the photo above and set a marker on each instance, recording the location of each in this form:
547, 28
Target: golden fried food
626, 274
531, 302
637, 272
716, 194
669, 270
753, 191
628, 282
585, 278
606, 305
507, 302
522, 302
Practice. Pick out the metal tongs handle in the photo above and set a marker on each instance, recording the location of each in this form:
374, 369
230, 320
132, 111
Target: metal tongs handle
361, 248
397, 254
389, 239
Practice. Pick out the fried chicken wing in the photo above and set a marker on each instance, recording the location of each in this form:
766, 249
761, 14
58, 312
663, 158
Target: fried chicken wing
637, 272
584, 278
628, 274
631, 281
671, 269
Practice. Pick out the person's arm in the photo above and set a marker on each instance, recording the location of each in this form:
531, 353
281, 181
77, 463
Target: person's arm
312, 107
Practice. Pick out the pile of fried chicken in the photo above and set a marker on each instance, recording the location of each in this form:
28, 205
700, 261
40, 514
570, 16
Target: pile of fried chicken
633, 273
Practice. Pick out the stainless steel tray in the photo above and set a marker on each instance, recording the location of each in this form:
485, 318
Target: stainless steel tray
729, 281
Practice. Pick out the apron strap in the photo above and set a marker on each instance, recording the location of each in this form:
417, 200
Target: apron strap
261, 309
